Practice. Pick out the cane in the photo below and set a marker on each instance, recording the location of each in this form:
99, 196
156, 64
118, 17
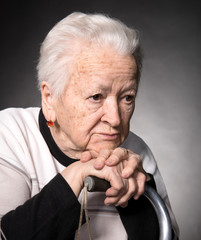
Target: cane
95, 184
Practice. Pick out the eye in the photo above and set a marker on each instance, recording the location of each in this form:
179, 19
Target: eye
96, 97
129, 98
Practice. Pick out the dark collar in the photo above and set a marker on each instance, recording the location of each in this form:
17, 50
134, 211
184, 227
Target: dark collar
54, 149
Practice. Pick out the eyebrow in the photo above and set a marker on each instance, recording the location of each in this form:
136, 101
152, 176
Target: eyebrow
129, 86
103, 88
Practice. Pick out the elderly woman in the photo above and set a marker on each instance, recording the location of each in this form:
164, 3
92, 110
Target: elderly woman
88, 73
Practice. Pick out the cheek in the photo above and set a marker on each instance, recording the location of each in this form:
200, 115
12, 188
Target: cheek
77, 118
125, 124
126, 114
82, 122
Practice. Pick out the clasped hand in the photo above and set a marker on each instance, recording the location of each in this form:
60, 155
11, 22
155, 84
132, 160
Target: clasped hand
123, 170
121, 167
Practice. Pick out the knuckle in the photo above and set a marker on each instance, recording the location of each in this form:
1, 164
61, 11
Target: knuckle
119, 187
104, 153
138, 158
115, 157
124, 151
121, 150
100, 159
135, 158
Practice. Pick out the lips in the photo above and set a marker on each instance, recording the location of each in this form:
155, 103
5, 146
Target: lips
109, 136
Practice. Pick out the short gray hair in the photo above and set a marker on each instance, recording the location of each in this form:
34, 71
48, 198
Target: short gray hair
58, 48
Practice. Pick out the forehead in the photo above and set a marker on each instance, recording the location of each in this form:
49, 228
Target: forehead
102, 66
92, 59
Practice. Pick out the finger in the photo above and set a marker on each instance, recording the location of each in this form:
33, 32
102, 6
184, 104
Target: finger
120, 198
132, 191
133, 163
102, 158
118, 189
141, 169
88, 155
112, 200
112, 192
140, 180
124, 205
117, 156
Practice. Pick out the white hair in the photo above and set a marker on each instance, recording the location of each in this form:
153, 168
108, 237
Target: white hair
59, 47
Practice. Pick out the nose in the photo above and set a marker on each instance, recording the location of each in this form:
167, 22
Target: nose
111, 112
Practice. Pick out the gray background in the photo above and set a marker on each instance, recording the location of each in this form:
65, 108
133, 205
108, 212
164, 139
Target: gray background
168, 108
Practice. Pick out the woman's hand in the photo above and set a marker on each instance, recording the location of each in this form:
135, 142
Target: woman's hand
121, 189
132, 171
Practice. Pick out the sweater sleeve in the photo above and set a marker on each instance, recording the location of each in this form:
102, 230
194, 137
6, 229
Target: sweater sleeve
51, 214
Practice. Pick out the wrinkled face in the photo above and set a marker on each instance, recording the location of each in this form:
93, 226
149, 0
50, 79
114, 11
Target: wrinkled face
95, 109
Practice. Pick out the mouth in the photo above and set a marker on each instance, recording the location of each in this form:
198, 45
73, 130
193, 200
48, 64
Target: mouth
109, 136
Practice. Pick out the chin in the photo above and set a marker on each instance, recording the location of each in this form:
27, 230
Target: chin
105, 145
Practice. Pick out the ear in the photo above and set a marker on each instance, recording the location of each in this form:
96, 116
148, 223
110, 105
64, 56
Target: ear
47, 103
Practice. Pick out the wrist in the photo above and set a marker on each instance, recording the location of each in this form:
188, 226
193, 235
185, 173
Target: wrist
73, 174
